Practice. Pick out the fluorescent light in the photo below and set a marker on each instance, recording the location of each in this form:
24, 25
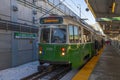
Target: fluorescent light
113, 7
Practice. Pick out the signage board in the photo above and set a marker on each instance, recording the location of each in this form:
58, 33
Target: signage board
25, 35
51, 20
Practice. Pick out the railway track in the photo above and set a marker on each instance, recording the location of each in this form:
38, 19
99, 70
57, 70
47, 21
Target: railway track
50, 72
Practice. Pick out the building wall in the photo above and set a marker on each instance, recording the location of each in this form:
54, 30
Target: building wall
24, 14
5, 9
15, 51
5, 49
24, 51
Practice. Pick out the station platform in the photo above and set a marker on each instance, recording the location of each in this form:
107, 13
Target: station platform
105, 66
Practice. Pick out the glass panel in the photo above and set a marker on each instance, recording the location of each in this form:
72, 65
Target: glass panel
58, 35
71, 34
87, 36
80, 38
45, 35
76, 36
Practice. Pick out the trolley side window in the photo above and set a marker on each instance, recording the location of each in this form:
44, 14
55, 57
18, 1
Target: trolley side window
79, 31
58, 35
86, 36
45, 35
73, 34
76, 35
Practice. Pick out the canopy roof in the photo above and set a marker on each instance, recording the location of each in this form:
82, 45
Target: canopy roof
107, 13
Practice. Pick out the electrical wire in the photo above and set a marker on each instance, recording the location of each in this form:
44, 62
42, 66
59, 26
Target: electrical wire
76, 7
70, 6
53, 8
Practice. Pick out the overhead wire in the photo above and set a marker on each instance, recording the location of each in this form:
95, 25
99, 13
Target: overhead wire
53, 8
76, 7
70, 6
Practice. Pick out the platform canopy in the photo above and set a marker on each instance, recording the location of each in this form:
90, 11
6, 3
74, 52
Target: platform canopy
107, 13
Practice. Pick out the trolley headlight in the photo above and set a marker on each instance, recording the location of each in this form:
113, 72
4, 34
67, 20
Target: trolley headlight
63, 51
40, 50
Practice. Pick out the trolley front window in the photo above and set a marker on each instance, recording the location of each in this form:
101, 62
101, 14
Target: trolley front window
58, 35
45, 35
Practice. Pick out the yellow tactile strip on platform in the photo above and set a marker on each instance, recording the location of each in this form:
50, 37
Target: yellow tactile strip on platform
85, 72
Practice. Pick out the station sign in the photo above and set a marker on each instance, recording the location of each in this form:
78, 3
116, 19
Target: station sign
51, 20
25, 35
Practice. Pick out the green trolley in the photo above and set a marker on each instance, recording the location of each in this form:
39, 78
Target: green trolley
64, 40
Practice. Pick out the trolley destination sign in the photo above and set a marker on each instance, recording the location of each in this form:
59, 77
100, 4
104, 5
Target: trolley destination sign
51, 20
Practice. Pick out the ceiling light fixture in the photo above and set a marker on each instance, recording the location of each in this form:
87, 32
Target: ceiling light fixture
113, 7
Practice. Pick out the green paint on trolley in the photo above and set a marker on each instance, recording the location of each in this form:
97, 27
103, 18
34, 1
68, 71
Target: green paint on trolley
74, 53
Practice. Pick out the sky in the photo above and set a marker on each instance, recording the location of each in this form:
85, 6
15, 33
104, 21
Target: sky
79, 7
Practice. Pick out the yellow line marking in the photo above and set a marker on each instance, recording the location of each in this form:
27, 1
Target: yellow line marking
85, 72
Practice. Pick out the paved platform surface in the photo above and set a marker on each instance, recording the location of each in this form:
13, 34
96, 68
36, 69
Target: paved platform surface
108, 66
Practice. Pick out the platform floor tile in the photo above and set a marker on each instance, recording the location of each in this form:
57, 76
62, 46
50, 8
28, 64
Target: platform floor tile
108, 67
